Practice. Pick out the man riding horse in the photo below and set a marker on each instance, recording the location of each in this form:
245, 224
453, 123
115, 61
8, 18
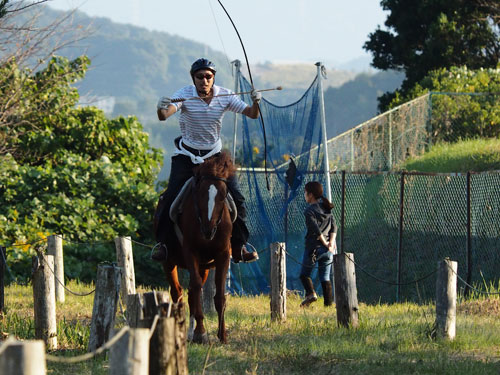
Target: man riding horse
200, 123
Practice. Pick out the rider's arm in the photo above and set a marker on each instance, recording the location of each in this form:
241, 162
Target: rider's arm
252, 111
164, 114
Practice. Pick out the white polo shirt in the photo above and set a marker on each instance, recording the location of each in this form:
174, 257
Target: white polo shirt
200, 122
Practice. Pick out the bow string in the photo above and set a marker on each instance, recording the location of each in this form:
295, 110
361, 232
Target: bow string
253, 87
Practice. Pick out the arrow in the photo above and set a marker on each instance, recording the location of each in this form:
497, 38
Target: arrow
177, 100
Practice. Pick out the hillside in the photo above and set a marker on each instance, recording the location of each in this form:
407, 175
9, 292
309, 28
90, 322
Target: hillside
476, 155
132, 67
356, 101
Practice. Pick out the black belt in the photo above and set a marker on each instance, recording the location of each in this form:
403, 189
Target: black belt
195, 151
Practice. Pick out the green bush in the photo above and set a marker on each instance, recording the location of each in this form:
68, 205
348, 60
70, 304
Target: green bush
74, 172
465, 103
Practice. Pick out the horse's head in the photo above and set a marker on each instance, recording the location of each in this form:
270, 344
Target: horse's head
210, 192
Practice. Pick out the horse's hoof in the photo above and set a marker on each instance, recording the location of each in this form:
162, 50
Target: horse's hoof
201, 338
222, 338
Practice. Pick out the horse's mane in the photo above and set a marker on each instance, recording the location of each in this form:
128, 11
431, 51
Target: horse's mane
219, 166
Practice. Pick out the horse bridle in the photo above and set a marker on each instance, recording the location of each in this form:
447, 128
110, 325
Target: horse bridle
199, 179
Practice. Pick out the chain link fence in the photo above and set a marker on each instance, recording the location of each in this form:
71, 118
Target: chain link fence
397, 225
387, 140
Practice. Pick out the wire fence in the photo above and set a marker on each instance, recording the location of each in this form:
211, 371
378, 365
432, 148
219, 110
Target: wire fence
388, 139
398, 225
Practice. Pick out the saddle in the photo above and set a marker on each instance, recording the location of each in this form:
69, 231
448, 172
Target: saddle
178, 204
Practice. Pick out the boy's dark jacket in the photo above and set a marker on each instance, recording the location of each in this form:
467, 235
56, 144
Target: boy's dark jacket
318, 221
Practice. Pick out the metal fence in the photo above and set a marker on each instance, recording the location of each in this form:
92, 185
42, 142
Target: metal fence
397, 224
387, 140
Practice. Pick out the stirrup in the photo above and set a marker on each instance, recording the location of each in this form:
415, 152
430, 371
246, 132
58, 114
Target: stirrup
156, 252
252, 256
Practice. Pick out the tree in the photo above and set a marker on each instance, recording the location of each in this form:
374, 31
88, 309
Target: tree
455, 115
426, 35
72, 170
26, 47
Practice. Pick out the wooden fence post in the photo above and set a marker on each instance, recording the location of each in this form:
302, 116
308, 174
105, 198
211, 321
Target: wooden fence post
135, 312
278, 281
125, 260
179, 313
168, 345
3, 265
142, 307
208, 293
55, 248
163, 358
23, 358
105, 303
44, 300
130, 354
446, 299
346, 293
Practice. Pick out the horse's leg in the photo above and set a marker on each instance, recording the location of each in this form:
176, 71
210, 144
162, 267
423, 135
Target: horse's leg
204, 275
199, 335
221, 267
173, 280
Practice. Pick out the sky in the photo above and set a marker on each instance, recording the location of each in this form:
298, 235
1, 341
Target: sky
330, 31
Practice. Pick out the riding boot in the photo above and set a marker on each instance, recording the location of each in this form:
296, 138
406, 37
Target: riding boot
327, 292
309, 289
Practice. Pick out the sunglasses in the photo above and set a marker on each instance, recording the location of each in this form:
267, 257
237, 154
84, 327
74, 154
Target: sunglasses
208, 77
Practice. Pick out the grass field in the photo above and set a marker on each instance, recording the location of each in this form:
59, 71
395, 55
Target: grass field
468, 155
391, 339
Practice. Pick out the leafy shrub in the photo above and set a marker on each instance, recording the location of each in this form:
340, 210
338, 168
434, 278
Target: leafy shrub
465, 103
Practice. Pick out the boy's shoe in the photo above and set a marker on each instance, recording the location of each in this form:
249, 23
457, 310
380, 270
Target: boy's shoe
310, 298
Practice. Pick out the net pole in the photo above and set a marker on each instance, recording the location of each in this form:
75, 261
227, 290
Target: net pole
321, 67
237, 66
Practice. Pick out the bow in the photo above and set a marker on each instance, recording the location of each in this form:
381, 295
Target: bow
251, 82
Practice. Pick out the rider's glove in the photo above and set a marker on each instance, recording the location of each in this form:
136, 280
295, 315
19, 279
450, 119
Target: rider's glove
256, 96
163, 103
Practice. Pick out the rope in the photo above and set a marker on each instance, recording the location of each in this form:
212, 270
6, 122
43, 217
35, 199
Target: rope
368, 273
26, 243
302, 264
141, 244
85, 357
389, 282
153, 326
85, 243
470, 286
7, 266
66, 288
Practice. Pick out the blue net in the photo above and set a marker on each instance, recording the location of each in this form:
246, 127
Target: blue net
293, 132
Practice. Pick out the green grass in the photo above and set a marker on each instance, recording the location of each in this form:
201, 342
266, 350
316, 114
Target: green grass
469, 155
391, 339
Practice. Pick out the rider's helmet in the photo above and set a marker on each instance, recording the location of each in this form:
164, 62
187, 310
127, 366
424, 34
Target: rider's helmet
202, 64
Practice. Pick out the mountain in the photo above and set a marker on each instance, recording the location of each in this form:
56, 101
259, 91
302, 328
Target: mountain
356, 101
132, 67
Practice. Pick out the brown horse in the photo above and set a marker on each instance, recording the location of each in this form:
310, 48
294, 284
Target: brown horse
206, 226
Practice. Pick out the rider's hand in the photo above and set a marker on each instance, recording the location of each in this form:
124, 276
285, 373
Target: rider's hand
256, 96
163, 103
